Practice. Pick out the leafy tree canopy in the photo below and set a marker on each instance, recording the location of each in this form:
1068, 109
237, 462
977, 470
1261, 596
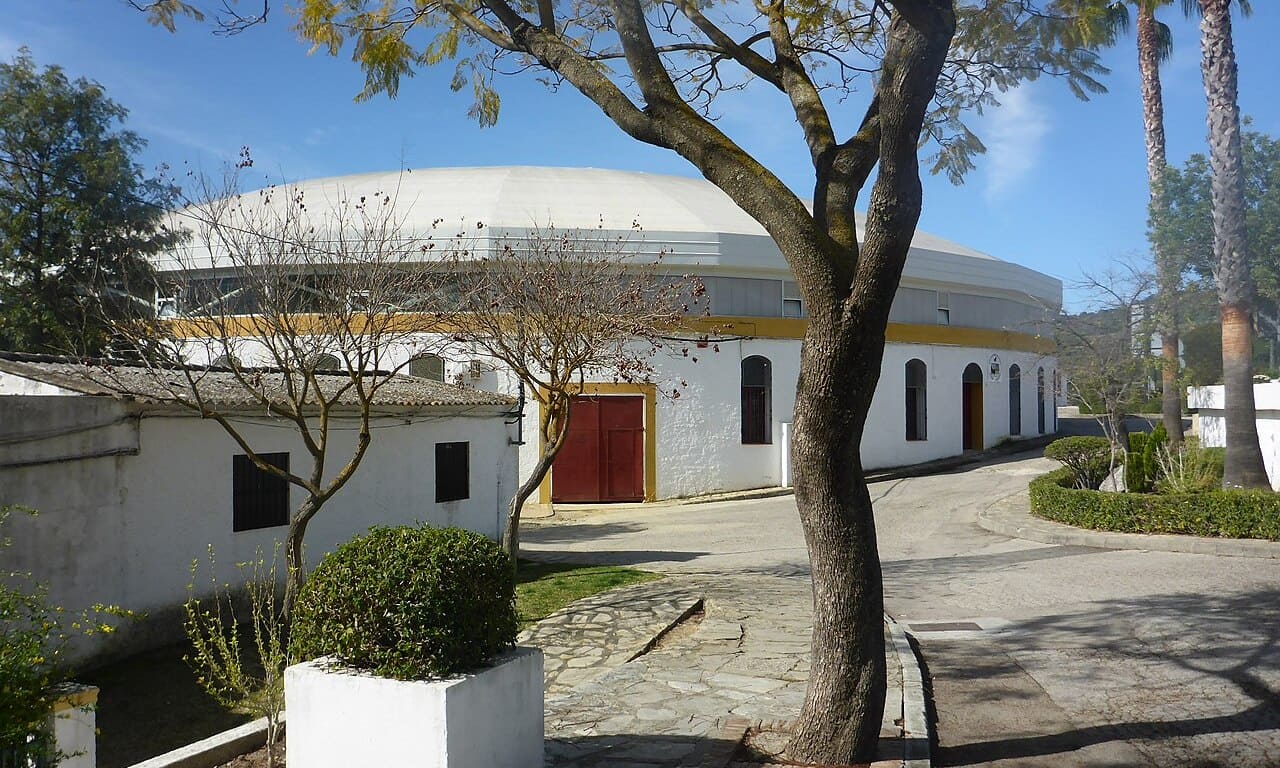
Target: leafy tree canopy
77, 214
707, 49
1187, 229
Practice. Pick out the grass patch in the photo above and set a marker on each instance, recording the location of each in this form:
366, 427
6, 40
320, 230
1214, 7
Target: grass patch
544, 588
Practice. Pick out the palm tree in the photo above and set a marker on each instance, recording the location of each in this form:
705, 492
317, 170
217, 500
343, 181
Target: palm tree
1244, 467
1103, 21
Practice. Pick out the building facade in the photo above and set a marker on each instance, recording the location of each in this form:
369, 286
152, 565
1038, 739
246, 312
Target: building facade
129, 493
969, 361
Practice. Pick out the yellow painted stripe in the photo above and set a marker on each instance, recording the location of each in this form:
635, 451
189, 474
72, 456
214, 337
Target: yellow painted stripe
900, 333
81, 698
754, 327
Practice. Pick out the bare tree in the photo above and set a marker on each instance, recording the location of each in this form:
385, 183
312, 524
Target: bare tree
1103, 350
557, 307
293, 307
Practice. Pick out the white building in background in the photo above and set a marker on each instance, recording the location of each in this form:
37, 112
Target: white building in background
130, 491
1210, 402
969, 361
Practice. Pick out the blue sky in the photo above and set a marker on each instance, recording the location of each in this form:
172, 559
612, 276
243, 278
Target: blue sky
1061, 189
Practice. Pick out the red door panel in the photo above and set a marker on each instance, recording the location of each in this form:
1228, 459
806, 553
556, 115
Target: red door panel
624, 480
603, 456
575, 475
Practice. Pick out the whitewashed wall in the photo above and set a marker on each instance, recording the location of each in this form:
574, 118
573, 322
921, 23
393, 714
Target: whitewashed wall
1213, 427
699, 439
699, 443
124, 529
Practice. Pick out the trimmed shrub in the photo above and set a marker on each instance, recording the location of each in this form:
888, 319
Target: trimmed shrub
1224, 514
409, 603
1136, 472
1088, 458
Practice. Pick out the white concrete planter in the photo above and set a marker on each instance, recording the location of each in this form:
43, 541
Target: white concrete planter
487, 719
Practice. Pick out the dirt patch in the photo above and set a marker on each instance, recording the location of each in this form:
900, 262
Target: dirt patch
257, 759
151, 703
764, 745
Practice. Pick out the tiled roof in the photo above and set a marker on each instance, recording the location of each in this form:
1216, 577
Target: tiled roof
222, 387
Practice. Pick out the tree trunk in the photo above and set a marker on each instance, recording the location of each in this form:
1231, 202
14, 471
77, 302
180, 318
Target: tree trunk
840, 720
294, 565
553, 425
839, 369
1244, 467
1168, 273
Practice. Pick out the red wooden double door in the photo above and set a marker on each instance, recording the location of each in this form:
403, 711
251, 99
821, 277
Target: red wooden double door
603, 454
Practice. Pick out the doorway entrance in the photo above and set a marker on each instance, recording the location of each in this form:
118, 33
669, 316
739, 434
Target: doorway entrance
971, 420
603, 456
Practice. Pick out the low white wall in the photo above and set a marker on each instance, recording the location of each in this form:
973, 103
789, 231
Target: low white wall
1211, 402
488, 719
124, 529
73, 722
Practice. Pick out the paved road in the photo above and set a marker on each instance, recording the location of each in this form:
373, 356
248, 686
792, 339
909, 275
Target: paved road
1040, 654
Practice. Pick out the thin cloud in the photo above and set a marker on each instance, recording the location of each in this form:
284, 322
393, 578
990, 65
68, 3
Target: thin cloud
1014, 134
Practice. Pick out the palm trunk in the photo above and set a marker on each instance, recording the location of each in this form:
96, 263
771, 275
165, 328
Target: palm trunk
1168, 273
1244, 467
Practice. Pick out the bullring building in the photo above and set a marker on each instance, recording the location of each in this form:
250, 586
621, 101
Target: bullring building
969, 361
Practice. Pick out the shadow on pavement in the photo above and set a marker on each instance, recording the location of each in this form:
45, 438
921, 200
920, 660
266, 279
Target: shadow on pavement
556, 533
648, 750
912, 572
612, 556
1156, 670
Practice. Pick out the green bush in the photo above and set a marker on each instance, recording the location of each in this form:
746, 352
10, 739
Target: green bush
408, 603
1190, 470
1136, 472
1226, 514
1143, 461
1088, 458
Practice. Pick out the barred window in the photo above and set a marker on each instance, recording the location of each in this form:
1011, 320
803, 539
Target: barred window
260, 499
453, 472
757, 401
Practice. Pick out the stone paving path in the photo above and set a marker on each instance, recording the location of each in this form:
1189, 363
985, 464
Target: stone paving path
605, 631
684, 702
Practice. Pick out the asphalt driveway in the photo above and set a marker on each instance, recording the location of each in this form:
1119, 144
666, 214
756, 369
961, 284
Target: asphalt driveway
1040, 654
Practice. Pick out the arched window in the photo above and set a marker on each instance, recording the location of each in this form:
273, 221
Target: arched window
1015, 400
325, 362
1040, 401
917, 400
427, 367
757, 401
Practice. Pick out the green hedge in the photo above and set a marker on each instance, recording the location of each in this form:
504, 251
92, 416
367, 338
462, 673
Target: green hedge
411, 603
1225, 514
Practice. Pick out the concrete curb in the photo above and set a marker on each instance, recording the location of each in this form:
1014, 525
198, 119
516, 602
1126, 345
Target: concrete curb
1026, 445
915, 720
1011, 517
215, 750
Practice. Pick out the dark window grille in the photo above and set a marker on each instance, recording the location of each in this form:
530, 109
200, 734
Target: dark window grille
757, 397
453, 472
917, 400
260, 499
1040, 401
1015, 400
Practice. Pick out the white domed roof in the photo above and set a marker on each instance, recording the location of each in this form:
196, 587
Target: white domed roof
690, 220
